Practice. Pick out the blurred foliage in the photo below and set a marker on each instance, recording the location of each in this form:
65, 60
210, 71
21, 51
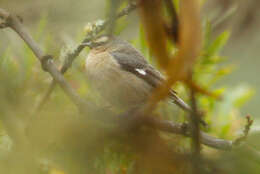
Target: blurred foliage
69, 142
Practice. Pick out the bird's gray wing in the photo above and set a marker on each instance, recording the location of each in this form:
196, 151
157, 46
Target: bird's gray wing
132, 61
136, 64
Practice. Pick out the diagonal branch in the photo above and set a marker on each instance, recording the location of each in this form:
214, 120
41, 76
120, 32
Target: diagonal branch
46, 61
96, 28
185, 130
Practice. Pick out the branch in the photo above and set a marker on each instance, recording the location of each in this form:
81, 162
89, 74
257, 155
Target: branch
246, 130
184, 129
195, 132
12, 21
95, 29
92, 31
173, 29
132, 119
87, 108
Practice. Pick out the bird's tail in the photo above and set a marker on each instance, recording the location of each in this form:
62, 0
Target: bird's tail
179, 102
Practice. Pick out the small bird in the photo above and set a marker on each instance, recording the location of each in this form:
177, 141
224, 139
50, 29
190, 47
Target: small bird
121, 74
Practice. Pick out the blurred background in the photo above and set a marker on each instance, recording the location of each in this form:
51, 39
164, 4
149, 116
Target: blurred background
60, 134
67, 18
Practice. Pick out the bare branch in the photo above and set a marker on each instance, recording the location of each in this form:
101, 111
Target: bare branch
195, 132
99, 26
185, 130
246, 130
173, 29
46, 60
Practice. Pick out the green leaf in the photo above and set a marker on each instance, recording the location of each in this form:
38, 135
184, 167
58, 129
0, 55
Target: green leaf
121, 25
244, 94
40, 34
176, 4
218, 44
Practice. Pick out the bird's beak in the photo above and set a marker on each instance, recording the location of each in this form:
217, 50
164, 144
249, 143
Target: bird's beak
88, 44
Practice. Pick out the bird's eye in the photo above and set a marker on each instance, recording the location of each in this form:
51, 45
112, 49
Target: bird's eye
102, 40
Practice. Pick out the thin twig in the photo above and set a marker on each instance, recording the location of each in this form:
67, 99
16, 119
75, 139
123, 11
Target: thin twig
99, 26
173, 29
246, 130
195, 133
185, 130
46, 60
195, 122
114, 5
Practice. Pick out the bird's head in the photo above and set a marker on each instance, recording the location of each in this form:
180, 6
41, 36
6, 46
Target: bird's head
101, 41
106, 42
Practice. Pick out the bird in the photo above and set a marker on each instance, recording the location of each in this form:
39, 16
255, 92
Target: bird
121, 74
